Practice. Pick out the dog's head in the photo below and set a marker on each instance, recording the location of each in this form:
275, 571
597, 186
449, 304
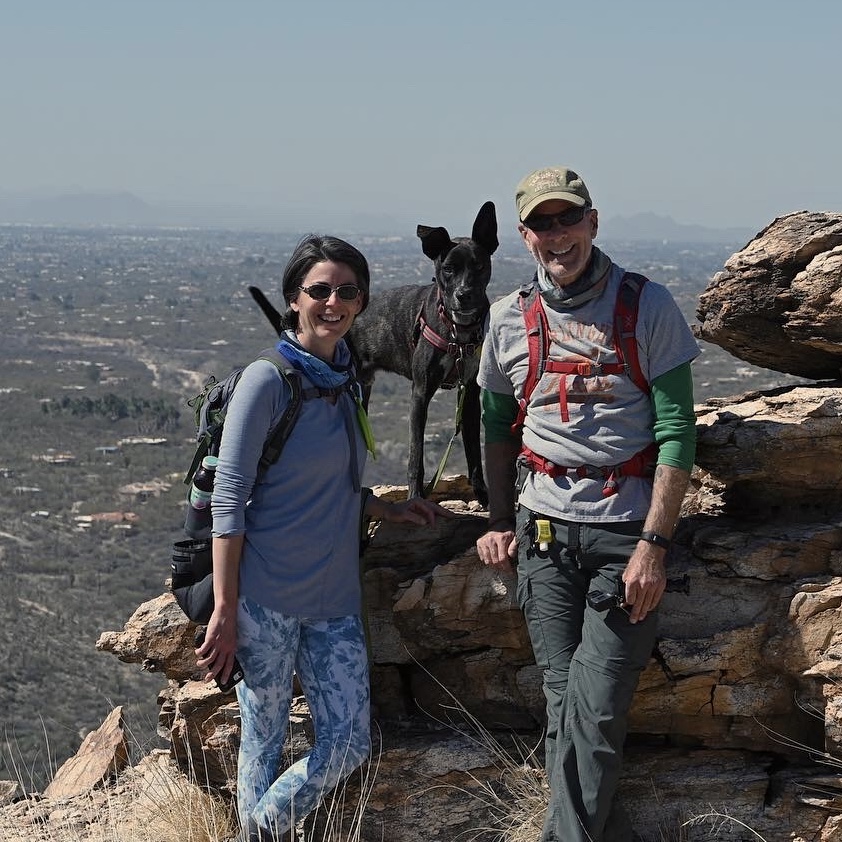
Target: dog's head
463, 265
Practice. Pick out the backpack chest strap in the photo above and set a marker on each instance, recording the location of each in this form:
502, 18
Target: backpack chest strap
577, 369
538, 344
312, 392
584, 369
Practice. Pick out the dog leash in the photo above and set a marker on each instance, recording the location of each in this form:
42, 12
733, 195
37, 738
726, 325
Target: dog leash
458, 350
460, 400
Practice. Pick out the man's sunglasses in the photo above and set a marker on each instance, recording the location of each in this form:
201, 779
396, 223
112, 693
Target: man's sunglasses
544, 221
321, 292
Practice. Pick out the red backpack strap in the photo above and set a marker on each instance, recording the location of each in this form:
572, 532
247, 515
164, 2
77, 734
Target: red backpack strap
537, 340
625, 324
626, 309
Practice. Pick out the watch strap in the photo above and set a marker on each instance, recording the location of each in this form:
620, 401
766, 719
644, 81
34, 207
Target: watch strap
655, 538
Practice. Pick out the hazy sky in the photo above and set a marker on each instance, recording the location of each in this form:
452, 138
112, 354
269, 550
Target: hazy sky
722, 112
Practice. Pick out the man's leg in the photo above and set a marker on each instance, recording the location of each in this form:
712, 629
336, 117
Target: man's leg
603, 675
551, 594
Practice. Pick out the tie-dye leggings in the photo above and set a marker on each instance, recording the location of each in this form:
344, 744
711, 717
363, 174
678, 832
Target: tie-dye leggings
329, 657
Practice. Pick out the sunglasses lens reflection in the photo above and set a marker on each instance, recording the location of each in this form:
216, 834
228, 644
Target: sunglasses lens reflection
321, 292
544, 221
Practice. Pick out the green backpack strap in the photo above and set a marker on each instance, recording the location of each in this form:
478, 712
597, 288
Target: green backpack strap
201, 451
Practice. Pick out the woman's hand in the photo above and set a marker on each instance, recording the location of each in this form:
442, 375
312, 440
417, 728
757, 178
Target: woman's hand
416, 510
216, 654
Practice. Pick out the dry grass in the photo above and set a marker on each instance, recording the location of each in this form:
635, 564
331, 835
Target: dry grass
516, 800
151, 802
155, 801
717, 821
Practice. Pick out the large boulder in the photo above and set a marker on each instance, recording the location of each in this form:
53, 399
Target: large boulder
777, 303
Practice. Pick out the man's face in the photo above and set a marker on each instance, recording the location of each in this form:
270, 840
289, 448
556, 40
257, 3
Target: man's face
563, 250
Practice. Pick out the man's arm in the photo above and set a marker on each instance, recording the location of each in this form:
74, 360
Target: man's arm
645, 576
501, 474
497, 547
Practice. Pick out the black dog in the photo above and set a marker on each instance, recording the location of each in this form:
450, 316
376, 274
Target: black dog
430, 335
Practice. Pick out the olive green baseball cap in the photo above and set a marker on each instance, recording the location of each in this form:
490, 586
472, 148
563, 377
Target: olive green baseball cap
550, 183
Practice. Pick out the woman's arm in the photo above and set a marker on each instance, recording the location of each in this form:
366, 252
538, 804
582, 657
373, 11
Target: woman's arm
216, 654
250, 414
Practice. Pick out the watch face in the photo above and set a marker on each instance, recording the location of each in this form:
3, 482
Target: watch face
656, 539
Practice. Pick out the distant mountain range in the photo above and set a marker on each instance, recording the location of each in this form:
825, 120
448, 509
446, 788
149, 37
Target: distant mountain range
652, 226
127, 209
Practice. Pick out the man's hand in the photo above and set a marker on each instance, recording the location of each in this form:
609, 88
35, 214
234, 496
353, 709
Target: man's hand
645, 578
497, 548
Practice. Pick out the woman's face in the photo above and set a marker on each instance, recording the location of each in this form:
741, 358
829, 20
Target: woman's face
322, 323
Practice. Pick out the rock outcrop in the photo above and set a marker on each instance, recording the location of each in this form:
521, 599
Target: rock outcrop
103, 754
737, 717
777, 302
747, 640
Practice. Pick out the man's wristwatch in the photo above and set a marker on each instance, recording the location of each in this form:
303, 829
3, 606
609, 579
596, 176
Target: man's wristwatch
656, 539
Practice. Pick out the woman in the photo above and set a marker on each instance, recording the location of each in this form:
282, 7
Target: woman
286, 550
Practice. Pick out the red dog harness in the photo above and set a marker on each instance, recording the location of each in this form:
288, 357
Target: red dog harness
464, 340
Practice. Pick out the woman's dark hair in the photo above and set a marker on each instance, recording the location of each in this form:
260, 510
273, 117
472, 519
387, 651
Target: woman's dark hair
317, 248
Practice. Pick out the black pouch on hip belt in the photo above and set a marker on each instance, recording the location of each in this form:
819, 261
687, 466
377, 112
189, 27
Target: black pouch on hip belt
191, 582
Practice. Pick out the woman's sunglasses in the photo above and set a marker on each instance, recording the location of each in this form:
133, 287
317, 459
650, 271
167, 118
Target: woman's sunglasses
321, 292
544, 221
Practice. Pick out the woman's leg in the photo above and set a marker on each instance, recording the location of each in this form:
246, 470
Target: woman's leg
267, 647
332, 666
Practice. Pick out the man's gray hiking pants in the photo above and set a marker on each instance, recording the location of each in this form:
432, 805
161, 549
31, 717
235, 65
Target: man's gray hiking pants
592, 661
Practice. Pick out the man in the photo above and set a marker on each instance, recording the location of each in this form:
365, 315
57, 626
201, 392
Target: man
599, 461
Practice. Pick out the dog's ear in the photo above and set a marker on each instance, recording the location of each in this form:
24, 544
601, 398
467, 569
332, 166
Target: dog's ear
485, 228
275, 318
435, 242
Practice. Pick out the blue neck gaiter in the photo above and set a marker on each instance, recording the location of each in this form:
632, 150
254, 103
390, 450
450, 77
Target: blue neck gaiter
317, 371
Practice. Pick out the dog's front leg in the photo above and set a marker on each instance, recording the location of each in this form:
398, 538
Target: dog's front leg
471, 437
419, 402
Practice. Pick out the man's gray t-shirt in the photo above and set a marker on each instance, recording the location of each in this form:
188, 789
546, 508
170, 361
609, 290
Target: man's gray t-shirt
610, 419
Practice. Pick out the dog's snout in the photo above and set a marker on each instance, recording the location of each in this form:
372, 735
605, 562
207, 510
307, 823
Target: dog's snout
469, 290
